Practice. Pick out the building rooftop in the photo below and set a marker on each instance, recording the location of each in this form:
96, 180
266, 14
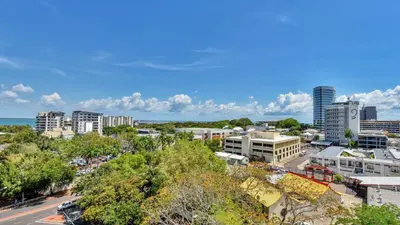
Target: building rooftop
379, 121
230, 155
376, 180
46, 113
372, 134
333, 151
323, 143
380, 155
78, 111
268, 195
276, 139
376, 196
203, 129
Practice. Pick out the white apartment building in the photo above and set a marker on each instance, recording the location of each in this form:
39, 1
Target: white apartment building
113, 121
339, 117
270, 145
207, 133
47, 121
377, 162
84, 122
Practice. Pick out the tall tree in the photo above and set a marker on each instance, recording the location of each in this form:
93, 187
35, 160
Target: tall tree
387, 214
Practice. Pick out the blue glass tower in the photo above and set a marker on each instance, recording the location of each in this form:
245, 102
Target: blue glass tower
322, 96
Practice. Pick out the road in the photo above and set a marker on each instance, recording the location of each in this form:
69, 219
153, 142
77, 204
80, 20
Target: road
295, 162
32, 213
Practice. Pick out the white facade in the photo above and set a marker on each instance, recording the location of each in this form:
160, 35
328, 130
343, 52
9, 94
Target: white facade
207, 133
113, 121
233, 159
84, 122
357, 162
338, 118
47, 121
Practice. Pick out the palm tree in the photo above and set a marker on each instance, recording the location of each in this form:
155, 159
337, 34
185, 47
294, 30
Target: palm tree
89, 153
162, 139
348, 134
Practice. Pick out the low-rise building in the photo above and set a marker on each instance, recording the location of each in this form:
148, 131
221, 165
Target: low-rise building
207, 133
372, 139
233, 159
377, 190
391, 126
300, 187
378, 196
350, 162
388, 183
59, 132
47, 121
271, 146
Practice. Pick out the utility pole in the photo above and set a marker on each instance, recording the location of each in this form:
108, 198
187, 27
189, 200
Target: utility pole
67, 217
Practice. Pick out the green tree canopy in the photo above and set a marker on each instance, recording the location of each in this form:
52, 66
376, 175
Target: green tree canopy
387, 214
26, 168
288, 123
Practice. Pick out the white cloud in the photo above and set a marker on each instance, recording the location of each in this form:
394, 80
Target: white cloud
8, 95
22, 88
8, 62
209, 50
102, 56
286, 104
194, 66
284, 18
58, 72
383, 100
21, 101
179, 102
291, 104
51, 100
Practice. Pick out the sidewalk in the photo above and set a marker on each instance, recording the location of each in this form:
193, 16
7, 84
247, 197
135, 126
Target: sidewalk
36, 207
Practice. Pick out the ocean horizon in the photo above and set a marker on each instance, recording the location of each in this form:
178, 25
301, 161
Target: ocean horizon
18, 121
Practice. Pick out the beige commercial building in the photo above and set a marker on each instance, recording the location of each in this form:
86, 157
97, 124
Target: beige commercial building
58, 133
270, 145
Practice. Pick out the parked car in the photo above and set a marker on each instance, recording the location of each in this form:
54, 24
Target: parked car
78, 162
65, 205
302, 223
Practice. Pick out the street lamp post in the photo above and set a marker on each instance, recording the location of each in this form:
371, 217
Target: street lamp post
23, 194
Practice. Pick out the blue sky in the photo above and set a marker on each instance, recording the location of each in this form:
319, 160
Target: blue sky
196, 60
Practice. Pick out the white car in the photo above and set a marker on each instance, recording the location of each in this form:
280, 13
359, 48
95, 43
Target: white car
302, 223
65, 205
